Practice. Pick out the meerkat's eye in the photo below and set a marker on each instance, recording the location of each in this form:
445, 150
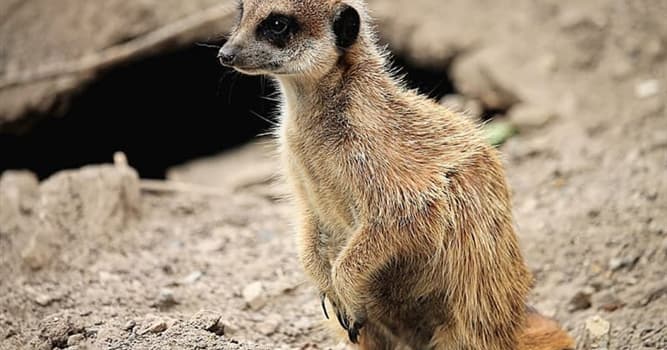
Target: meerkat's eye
278, 29
278, 24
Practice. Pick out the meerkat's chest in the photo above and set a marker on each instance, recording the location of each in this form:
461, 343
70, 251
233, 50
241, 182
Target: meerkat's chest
316, 170
325, 192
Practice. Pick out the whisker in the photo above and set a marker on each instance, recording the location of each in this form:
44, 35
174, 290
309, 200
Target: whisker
274, 94
266, 133
263, 118
211, 46
270, 99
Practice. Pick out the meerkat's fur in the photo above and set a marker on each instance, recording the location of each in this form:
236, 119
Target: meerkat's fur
405, 218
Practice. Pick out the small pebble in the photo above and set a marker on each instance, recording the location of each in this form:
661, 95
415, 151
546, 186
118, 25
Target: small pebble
611, 307
44, 300
75, 339
254, 295
580, 301
270, 325
647, 88
41, 299
609, 303
192, 278
129, 325
597, 333
220, 328
204, 319
157, 326
166, 299
618, 263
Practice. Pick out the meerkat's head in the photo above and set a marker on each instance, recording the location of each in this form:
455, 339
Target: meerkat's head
292, 37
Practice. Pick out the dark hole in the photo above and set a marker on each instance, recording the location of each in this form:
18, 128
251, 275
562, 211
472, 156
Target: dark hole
433, 82
162, 111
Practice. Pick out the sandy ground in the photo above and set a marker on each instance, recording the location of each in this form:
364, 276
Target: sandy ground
95, 258
185, 267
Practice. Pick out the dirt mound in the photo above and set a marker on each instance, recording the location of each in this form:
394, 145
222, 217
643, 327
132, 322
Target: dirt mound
94, 257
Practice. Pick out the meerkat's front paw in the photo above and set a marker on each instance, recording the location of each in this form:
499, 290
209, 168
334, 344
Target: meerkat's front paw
335, 304
353, 330
350, 311
351, 324
323, 300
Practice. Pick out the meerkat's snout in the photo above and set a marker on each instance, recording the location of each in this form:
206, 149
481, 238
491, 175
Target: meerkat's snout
250, 60
227, 55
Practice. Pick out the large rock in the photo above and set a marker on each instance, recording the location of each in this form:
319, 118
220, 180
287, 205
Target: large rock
79, 204
18, 193
50, 49
498, 55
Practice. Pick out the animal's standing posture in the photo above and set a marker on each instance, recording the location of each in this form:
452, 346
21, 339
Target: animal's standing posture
406, 225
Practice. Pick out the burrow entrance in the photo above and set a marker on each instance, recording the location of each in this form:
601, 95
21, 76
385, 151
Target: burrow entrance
164, 111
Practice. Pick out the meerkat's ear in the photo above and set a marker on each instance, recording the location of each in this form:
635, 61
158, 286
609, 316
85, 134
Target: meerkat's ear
346, 26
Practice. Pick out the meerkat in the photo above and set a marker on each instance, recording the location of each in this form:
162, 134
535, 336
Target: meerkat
405, 221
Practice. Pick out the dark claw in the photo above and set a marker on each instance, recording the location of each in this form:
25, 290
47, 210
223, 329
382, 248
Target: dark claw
353, 332
324, 305
342, 319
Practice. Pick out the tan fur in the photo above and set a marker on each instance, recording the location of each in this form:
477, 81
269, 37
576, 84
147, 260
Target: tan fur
541, 333
405, 217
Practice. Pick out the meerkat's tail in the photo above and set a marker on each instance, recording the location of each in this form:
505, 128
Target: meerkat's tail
542, 333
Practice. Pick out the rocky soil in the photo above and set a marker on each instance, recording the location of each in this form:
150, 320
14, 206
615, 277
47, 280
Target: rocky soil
96, 258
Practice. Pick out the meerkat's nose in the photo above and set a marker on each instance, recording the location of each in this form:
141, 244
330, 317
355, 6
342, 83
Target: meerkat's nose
227, 55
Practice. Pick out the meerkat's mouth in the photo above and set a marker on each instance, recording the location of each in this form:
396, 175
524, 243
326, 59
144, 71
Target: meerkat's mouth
269, 68
251, 70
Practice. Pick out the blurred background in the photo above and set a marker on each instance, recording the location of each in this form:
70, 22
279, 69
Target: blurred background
129, 77
193, 241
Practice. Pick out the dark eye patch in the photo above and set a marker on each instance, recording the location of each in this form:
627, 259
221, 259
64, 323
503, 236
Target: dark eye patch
278, 29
